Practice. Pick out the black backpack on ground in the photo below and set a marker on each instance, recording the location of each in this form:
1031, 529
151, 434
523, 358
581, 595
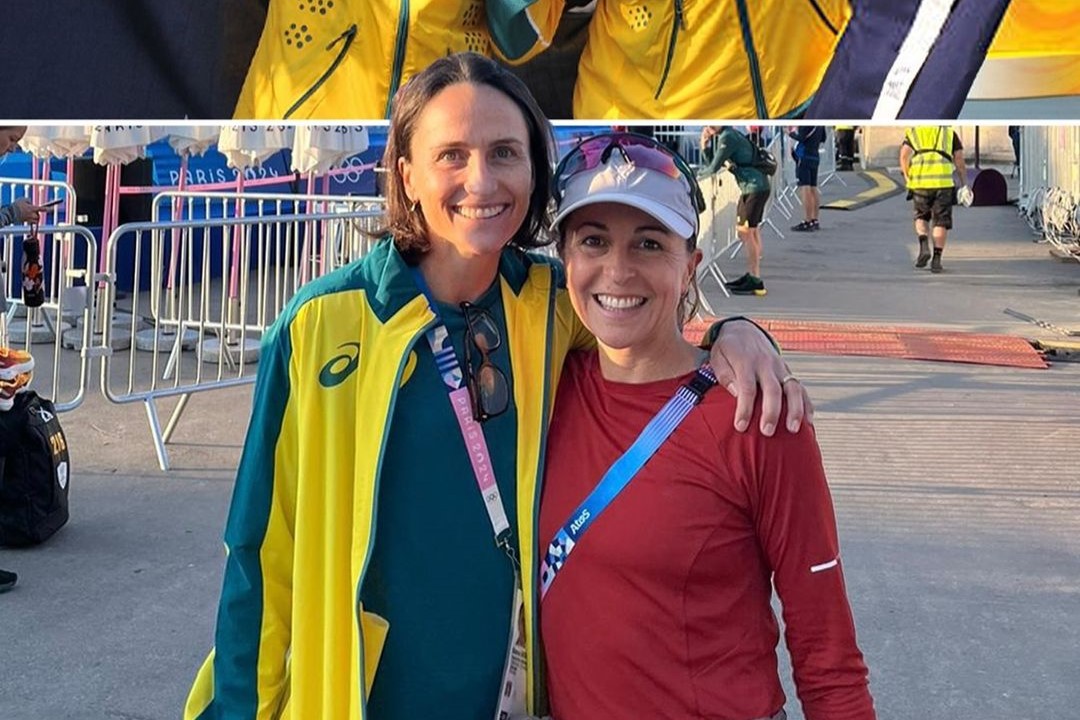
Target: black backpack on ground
34, 470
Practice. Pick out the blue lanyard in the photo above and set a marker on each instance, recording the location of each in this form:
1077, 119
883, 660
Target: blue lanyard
622, 471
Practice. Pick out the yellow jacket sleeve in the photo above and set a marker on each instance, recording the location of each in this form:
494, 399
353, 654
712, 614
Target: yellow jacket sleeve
247, 673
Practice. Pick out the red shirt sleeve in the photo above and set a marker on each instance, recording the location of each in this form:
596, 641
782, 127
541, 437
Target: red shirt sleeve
793, 514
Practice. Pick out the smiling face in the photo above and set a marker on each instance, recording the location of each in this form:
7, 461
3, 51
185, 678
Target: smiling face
627, 275
469, 169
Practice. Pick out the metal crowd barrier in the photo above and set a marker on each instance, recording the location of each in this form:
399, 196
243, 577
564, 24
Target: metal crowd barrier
186, 302
717, 240
304, 245
184, 299
55, 332
1050, 186
209, 285
40, 192
684, 139
1049, 157
68, 256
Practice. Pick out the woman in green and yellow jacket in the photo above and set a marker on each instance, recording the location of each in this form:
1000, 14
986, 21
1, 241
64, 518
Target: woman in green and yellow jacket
685, 58
776, 58
346, 58
367, 577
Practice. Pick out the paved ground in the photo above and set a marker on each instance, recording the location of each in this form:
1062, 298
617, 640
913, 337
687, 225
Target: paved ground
956, 488
1027, 109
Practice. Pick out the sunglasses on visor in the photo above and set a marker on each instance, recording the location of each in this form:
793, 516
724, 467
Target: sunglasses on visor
639, 150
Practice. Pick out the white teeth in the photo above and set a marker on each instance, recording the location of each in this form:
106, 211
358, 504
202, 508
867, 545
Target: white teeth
612, 302
480, 213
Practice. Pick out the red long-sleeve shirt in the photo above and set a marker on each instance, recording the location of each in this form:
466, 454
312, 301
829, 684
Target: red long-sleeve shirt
663, 609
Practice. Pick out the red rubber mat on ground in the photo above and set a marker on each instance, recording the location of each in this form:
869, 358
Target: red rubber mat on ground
912, 343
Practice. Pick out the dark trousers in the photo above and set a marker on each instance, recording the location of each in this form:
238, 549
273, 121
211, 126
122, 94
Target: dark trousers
845, 149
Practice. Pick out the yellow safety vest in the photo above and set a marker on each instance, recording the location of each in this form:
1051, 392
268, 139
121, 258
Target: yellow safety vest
932, 165
1036, 52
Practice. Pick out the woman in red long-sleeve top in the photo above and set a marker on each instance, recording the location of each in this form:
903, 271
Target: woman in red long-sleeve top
663, 610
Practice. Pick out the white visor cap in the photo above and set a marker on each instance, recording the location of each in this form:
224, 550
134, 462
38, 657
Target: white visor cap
665, 198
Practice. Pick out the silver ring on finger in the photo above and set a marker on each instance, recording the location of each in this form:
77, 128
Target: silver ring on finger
788, 378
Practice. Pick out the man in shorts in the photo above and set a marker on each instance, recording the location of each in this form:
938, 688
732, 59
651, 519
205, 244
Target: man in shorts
726, 147
807, 153
927, 159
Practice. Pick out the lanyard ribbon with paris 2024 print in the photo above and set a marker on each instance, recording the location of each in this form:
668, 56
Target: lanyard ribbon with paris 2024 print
512, 689
622, 471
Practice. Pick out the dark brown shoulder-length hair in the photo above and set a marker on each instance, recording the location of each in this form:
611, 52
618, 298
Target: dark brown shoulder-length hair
408, 228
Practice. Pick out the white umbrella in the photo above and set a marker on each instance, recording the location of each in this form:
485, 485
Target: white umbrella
189, 140
316, 150
116, 145
244, 146
120, 144
60, 141
186, 140
44, 142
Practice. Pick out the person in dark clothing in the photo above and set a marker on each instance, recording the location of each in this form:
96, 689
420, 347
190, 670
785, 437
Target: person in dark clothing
726, 147
1014, 135
807, 154
20, 210
845, 147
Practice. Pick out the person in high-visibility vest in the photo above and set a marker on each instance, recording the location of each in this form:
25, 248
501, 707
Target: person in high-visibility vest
927, 158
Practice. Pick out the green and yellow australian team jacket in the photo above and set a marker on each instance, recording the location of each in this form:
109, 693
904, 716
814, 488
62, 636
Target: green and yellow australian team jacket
292, 638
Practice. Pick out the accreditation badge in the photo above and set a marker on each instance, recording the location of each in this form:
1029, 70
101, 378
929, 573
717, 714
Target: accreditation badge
512, 694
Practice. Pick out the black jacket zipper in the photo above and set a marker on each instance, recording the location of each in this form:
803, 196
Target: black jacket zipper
399, 54
348, 36
751, 55
678, 24
824, 17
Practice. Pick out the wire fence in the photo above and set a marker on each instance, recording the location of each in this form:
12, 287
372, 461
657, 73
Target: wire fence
1050, 186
